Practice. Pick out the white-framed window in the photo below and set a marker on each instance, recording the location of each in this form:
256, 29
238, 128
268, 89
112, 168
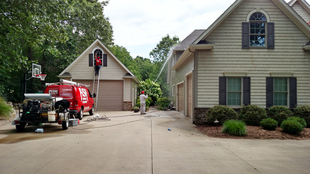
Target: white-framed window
234, 91
258, 23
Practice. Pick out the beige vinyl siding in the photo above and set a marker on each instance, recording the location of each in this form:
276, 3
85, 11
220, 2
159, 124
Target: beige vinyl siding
301, 11
127, 90
82, 70
179, 75
228, 56
134, 86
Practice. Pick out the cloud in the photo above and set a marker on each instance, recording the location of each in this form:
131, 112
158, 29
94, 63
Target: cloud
140, 24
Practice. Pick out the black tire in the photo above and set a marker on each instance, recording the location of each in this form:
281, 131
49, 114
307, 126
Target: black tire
20, 127
91, 112
80, 114
65, 124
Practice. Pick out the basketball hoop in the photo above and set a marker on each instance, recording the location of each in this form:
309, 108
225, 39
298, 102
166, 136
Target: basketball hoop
41, 76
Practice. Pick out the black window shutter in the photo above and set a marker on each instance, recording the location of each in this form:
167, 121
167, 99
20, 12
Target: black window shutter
105, 60
270, 35
269, 92
91, 62
245, 35
246, 91
293, 92
222, 94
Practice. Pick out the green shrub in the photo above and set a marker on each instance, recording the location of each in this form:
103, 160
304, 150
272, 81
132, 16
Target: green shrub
160, 108
234, 127
300, 120
291, 126
279, 113
252, 114
221, 113
5, 110
303, 112
269, 124
163, 102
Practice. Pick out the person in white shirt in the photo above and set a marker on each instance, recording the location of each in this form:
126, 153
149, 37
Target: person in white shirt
142, 102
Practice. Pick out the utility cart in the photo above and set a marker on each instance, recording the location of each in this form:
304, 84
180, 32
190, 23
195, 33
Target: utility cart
42, 108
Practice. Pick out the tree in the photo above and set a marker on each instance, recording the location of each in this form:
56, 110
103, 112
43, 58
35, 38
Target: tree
26, 24
152, 89
160, 56
124, 56
51, 33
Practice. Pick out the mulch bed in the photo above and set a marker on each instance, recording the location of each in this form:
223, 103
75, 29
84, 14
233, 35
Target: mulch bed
254, 132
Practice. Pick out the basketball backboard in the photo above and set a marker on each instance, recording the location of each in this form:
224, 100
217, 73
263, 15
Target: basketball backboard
36, 70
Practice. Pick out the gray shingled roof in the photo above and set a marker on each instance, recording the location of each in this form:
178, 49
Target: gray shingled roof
66, 74
188, 40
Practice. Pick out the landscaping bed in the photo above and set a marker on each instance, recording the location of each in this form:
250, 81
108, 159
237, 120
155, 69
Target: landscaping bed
254, 132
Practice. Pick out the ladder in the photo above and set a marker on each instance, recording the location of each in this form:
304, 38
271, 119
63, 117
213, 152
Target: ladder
96, 88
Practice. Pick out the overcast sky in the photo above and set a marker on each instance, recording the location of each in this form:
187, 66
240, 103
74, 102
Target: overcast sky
139, 25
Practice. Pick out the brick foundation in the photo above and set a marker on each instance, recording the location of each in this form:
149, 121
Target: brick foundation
127, 105
200, 115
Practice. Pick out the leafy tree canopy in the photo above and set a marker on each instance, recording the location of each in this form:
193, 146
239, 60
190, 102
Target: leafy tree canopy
152, 89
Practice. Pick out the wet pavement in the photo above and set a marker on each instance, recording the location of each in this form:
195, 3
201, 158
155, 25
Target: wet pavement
131, 143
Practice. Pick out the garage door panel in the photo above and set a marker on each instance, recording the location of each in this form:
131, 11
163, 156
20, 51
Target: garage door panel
110, 95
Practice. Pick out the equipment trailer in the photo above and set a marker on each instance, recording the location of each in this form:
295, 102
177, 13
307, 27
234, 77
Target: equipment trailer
42, 108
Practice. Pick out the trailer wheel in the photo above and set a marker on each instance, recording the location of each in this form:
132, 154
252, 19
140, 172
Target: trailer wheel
91, 112
65, 124
20, 127
80, 114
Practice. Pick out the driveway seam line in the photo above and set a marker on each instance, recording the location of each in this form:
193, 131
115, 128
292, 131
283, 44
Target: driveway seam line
238, 156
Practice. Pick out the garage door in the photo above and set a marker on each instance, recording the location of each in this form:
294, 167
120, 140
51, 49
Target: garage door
189, 95
181, 97
110, 95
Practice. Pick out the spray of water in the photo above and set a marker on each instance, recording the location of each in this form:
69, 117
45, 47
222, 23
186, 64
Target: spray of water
162, 68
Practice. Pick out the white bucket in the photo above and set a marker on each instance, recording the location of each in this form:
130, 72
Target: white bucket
51, 115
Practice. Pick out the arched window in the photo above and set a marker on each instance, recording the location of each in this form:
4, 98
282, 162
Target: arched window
258, 23
99, 54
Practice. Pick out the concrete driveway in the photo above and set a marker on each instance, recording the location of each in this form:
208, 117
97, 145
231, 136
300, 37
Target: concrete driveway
135, 144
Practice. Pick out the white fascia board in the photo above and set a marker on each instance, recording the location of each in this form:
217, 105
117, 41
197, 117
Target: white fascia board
218, 21
305, 5
291, 3
189, 51
115, 58
183, 57
76, 60
293, 16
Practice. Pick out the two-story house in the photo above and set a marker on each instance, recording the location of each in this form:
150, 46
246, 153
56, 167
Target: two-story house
255, 53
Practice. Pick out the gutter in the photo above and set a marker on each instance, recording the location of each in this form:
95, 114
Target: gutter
189, 51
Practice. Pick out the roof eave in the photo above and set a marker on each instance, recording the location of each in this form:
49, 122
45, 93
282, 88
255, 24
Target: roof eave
218, 21
189, 51
293, 16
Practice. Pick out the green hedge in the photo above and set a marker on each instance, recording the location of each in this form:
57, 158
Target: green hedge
292, 126
221, 113
252, 114
303, 112
300, 120
269, 124
163, 102
279, 113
